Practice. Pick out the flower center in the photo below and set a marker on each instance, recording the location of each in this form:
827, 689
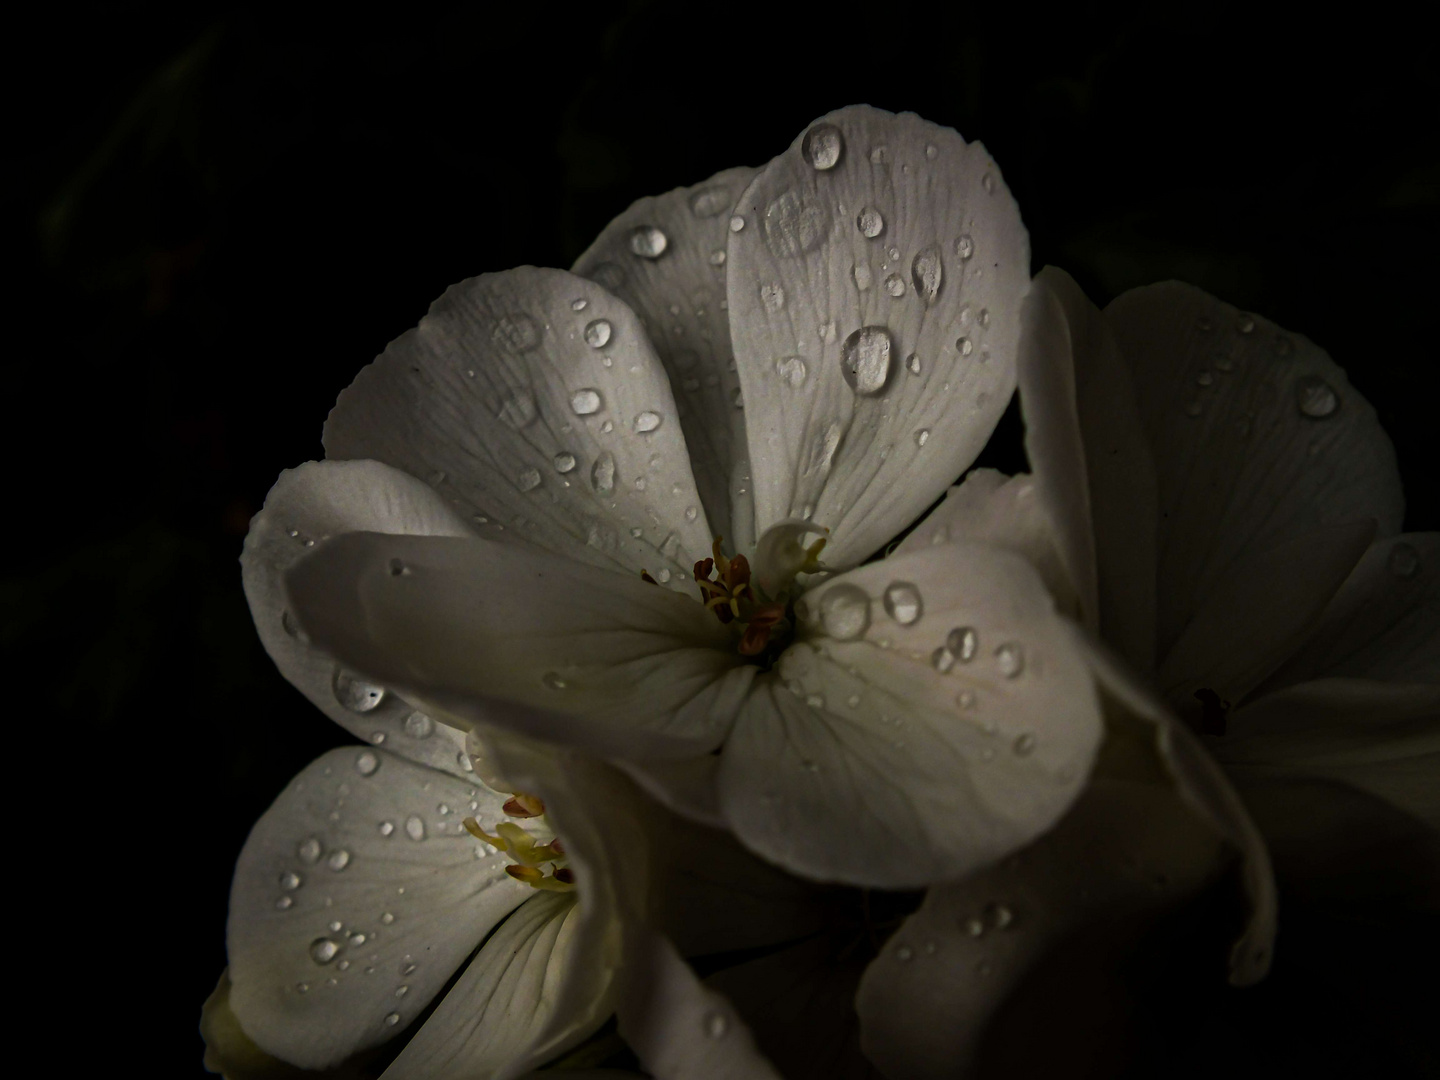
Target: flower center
765, 622
532, 857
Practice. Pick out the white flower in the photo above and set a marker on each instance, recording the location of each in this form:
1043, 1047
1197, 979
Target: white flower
501, 476
1224, 509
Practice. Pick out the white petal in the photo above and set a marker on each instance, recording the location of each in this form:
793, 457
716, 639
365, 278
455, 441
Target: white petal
1382, 738
543, 424
687, 786
314, 502
523, 639
991, 508
665, 257
1132, 711
677, 1027
910, 233
358, 881
1092, 465
1258, 614
945, 720
1258, 440
493, 1022
1125, 853
1382, 623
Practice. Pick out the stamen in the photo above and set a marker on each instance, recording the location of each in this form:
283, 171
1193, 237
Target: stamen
473, 828
524, 806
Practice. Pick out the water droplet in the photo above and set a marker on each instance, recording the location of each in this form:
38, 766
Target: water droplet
387, 918
710, 202
564, 462
791, 370
553, 680
963, 641
516, 411
357, 939
865, 359
597, 334
737, 223
904, 953
579, 304
988, 183
585, 402
717, 257
922, 436
862, 275
646, 422
823, 145
284, 903
716, 1025
1315, 398
964, 346
528, 480
338, 860
902, 602
870, 223
974, 927
1204, 379
845, 612
1010, 659
965, 699
964, 246
419, 726
912, 362
392, 1019
1245, 324
354, 693
795, 224
895, 286
648, 242
415, 827
942, 659
323, 950
927, 272
602, 474
998, 916
772, 295
310, 850
366, 763
1403, 561
984, 316
517, 332
1024, 744
386, 828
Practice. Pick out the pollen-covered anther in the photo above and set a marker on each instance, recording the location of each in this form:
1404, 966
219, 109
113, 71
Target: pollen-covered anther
536, 879
522, 805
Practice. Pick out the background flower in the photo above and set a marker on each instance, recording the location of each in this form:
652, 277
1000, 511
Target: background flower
211, 226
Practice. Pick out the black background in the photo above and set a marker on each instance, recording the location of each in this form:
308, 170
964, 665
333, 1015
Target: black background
219, 216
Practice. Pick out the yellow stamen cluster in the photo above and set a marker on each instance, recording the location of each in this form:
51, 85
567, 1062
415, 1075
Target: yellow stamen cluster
530, 855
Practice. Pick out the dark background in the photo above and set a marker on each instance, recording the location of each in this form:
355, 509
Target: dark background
217, 217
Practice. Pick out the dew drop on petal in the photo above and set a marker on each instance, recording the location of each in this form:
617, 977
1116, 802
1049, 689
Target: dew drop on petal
647, 422
386, 828
710, 202
870, 223
736, 223
716, 1025
904, 953
310, 850
922, 436
585, 402
553, 680
392, 1019
528, 480
845, 612
579, 304
564, 462
602, 474
284, 903
791, 369
927, 271
1010, 659
1403, 561
964, 246
354, 693
942, 659
963, 641
912, 362
902, 602
964, 346
366, 763
419, 726
861, 272
865, 359
998, 916
822, 146
1245, 324
415, 827
974, 927
1315, 398
772, 295
516, 411
648, 242
338, 860
597, 333
895, 286
323, 950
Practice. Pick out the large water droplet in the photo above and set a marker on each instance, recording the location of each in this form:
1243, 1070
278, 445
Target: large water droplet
528, 480
710, 202
1315, 398
791, 370
963, 641
861, 272
927, 271
518, 409
865, 359
366, 763
323, 950
648, 242
356, 694
964, 346
1403, 561
338, 860
902, 602
772, 295
823, 145
310, 850
646, 422
585, 402
290, 881
597, 334
845, 612
895, 286
964, 247
794, 224
516, 332
419, 726
1010, 659
870, 223
736, 223
564, 462
415, 827
602, 474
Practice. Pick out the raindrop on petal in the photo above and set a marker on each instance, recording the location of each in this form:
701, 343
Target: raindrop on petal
602, 474
1024, 744
528, 480
366, 763
927, 271
310, 850
564, 462
585, 402
845, 612
1315, 398
354, 693
648, 242
419, 726
597, 334
902, 602
865, 359
710, 202
323, 950
791, 369
415, 827
963, 641
823, 145
647, 422
1010, 659
338, 860
870, 223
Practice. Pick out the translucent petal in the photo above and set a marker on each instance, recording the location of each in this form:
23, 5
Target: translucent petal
541, 422
948, 726
357, 882
1382, 624
1092, 464
679, 296
1126, 852
991, 508
520, 638
307, 505
1258, 441
909, 245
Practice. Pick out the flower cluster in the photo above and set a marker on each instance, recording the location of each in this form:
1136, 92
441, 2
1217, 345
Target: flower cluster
889, 782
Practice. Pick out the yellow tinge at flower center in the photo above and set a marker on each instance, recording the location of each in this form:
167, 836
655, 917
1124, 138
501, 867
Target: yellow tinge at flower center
539, 865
